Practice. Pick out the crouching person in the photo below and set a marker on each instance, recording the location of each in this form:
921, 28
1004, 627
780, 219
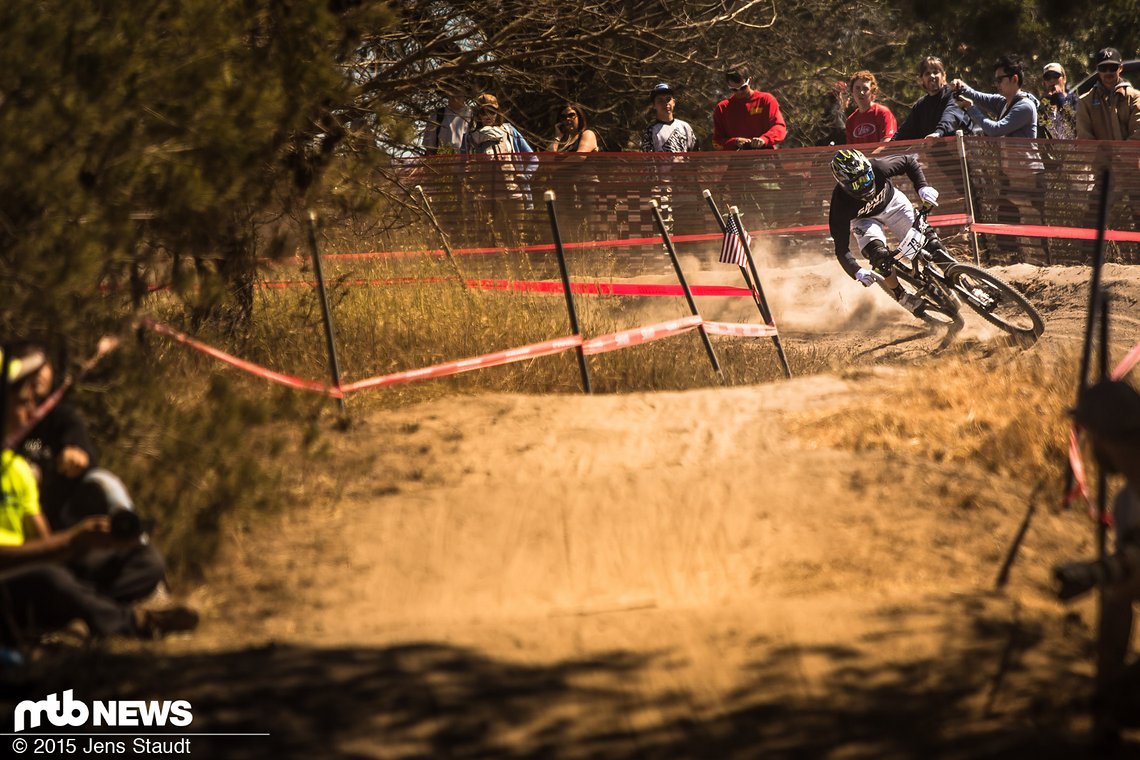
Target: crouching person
39, 592
73, 486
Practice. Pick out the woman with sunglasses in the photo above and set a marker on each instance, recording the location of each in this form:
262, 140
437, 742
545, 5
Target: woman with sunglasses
572, 133
1111, 109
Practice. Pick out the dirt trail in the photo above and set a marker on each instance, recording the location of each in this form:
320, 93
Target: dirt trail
654, 575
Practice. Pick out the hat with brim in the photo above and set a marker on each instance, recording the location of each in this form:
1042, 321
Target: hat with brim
1107, 55
660, 89
22, 367
1054, 68
1109, 408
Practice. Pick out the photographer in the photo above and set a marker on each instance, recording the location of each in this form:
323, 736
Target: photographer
38, 592
1109, 412
73, 486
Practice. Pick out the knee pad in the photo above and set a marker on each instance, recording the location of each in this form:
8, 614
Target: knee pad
880, 258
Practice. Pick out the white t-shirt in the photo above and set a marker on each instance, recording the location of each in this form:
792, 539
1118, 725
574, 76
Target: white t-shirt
451, 128
675, 137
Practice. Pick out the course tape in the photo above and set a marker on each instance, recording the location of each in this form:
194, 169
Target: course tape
598, 345
741, 330
1040, 231
639, 335
609, 289
943, 220
242, 364
535, 350
1076, 462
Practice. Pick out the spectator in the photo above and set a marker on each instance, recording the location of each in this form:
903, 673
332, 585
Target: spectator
667, 134
504, 191
1015, 110
572, 133
1015, 115
1109, 412
748, 119
1057, 119
934, 114
448, 126
870, 122
73, 486
1111, 109
39, 592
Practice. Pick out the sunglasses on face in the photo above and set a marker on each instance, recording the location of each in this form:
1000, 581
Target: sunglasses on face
570, 115
742, 86
1051, 76
1108, 67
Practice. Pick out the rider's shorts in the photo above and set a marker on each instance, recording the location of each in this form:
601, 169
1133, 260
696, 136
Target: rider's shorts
898, 216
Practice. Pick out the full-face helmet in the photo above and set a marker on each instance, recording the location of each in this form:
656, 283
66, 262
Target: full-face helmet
852, 170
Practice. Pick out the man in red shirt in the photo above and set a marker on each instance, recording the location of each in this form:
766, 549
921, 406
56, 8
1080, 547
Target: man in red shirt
748, 119
870, 122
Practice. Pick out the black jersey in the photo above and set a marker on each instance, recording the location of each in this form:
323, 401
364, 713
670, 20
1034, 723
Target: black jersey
845, 208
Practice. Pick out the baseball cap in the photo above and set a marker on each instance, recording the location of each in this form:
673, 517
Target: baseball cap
660, 89
1054, 68
21, 367
1110, 408
1107, 55
487, 100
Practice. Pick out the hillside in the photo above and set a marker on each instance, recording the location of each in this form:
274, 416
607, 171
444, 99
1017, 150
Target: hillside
726, 572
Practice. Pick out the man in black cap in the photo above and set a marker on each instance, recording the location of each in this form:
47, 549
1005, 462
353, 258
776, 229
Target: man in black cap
1109, 412
1111, 109
667, 134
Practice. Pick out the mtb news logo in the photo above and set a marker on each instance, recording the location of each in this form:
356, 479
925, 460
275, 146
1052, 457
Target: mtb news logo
127, 712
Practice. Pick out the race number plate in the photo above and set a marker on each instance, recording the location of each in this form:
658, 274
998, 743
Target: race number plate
911, 245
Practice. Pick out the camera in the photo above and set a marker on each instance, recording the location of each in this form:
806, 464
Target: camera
125, 524
1076, 578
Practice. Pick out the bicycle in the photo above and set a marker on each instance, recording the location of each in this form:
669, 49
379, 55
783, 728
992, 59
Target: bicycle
943, 283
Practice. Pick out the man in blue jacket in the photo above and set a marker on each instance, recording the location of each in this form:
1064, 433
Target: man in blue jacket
1014, 110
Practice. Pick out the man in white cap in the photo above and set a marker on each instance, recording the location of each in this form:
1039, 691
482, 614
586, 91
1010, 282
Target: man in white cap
1111, 109
1058, 114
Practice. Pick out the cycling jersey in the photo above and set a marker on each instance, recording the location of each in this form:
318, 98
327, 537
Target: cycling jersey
845, 208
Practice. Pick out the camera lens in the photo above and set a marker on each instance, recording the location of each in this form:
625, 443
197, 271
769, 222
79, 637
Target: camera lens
125, 524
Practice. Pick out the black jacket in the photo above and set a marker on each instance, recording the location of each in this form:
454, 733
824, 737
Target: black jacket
934, 113
845, 208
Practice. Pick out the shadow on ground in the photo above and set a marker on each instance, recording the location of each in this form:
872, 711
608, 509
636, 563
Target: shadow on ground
997, 692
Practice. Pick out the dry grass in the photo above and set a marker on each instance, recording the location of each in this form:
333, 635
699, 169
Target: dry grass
1003, 415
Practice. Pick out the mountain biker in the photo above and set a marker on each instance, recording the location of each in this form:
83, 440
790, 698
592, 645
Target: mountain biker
865, 202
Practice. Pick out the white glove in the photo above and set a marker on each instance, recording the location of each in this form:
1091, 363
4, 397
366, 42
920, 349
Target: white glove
867, 277
928, 195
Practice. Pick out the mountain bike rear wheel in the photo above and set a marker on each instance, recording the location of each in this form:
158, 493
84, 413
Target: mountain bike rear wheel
940, 309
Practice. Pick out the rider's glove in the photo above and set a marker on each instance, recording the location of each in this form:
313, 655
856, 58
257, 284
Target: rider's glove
928, 195
867, 278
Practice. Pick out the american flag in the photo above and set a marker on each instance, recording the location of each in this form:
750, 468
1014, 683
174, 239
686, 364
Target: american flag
731, 250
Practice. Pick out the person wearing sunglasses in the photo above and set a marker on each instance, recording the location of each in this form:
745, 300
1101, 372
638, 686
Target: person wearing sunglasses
747, 119
1057, 117
1014, 110
1111, 109
572, 133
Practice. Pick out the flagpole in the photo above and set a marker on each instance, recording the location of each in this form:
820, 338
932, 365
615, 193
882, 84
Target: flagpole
743, 272
762, 302
685, 286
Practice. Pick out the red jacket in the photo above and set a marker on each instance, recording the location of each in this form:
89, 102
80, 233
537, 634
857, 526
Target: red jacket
759, 116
